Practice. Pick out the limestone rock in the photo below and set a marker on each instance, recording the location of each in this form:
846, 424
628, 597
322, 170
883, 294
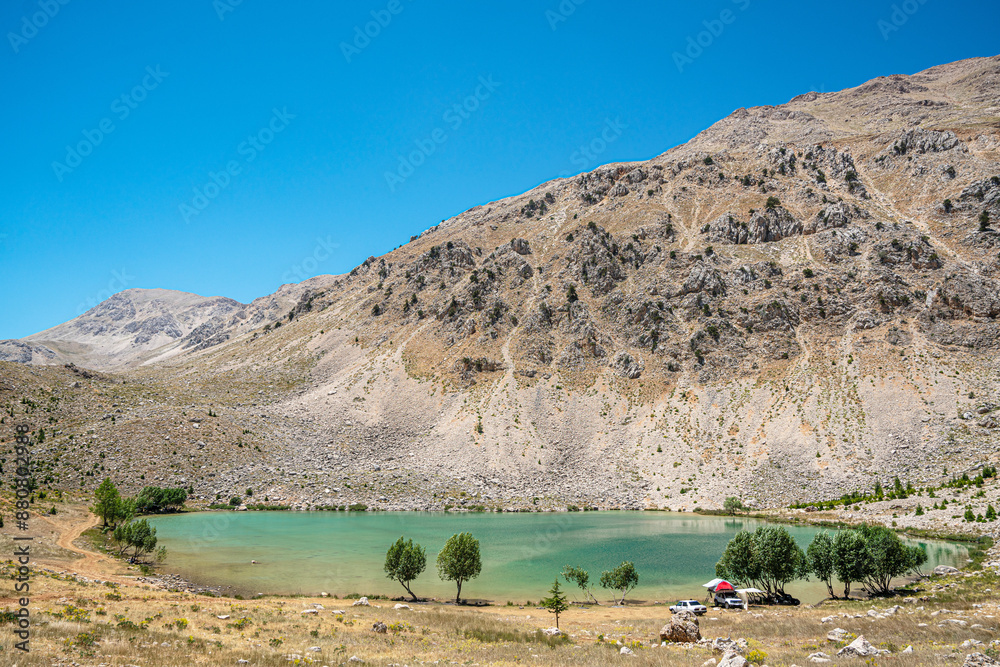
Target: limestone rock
733, 659
861, 648
682, 628
627, 366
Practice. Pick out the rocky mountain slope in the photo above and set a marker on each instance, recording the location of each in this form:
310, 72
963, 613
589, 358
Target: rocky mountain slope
797, 302
142, 326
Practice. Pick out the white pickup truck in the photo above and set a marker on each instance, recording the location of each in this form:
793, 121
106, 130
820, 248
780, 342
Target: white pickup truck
692, 606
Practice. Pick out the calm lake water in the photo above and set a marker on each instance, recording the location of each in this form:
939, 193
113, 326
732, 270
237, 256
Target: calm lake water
342, 553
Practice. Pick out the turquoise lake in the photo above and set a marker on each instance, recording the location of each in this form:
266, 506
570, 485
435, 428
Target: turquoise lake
342, 553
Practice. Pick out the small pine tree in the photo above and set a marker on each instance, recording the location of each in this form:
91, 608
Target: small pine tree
984, 221
991, 514
970, 517
919, 511
556, 602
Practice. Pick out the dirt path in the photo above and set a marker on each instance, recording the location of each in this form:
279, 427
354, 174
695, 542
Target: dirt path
90, 564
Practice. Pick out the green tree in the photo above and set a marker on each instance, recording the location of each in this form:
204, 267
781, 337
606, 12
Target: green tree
136, 535
820, 556
404, 562
459, 561
767, 559
154, 500
109, 505
732, 505
850, 558
739, 560
556, 602
888, 558
580, 577
622, 579
991, 514
984, 221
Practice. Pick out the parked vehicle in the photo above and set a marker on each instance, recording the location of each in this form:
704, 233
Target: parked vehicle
692, 606
728, 600
786, 599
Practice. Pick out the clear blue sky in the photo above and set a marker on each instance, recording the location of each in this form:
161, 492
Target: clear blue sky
199, 80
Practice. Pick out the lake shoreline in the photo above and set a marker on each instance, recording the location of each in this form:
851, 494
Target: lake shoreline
341, 553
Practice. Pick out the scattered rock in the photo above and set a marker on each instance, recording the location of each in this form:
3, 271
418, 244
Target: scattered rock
521, 246
682, 628
861, 648
361, 602
380, 627
733, 659
836, 635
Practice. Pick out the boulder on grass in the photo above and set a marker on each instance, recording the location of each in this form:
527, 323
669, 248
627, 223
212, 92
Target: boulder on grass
682, 628
733, 659
861, 648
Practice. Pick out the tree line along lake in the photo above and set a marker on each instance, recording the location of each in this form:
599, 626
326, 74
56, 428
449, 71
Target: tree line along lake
343, 552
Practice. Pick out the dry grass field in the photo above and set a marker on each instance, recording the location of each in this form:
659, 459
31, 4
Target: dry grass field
88, 610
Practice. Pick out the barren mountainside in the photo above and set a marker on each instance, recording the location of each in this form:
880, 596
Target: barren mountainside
799, 301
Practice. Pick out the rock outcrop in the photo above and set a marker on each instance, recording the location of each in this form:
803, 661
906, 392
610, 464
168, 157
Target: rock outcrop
682, 628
